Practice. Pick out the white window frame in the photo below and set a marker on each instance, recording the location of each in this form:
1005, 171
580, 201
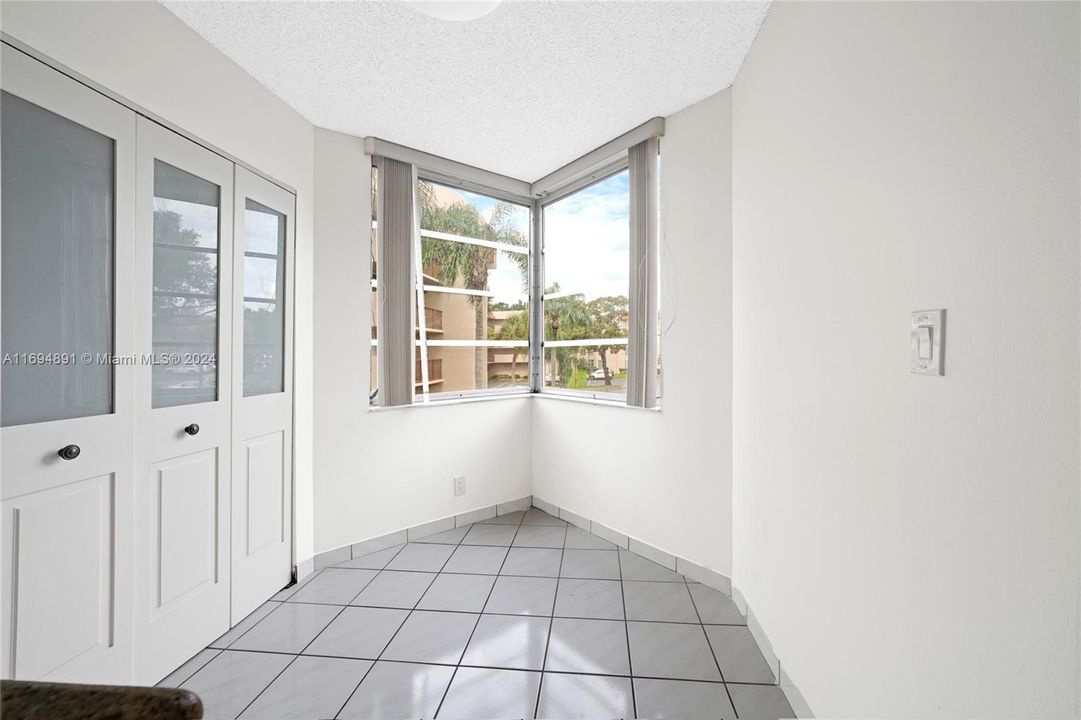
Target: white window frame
596, 176
590, 169
423, 394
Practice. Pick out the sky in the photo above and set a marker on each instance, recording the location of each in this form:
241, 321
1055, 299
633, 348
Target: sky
260, 274
587, 242
262, 236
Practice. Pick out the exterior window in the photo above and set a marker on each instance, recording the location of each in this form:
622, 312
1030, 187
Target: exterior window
587, 278
472, 302
470, 312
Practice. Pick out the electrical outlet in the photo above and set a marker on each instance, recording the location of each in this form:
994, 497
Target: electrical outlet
459, 485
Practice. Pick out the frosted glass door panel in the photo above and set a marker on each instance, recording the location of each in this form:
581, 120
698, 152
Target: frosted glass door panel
58, 240
262, 410
186, 234
264, 299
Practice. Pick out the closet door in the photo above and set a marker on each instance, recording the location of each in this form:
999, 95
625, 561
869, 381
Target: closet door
184, 274
68, 166
262, 478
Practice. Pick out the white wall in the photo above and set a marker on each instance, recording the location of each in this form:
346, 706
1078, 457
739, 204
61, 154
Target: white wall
384, 470
665, 477
377, 472
910, 543
142, 52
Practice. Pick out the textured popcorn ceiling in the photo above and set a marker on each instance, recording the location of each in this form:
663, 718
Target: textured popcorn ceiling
521, 91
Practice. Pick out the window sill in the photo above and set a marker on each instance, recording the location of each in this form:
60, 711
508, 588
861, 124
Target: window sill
585, 400
464, 400
495, 397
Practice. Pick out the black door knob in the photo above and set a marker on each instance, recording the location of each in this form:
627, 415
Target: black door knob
192, 429
69, 452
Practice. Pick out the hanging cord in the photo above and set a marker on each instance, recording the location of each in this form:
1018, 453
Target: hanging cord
668, 281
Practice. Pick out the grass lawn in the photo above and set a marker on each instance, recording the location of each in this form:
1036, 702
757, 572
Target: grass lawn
578, 380
581, 381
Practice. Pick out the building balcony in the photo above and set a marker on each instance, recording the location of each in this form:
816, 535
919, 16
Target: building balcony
435, 372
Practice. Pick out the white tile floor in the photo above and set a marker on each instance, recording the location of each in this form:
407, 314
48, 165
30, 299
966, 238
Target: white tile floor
520, 616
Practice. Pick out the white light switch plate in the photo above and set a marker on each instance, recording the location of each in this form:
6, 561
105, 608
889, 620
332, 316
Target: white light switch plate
928, 332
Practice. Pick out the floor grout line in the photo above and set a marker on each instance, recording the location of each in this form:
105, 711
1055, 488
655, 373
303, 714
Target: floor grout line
461, 657
237, 639
406, 620
510, 614
366, 672
512, 669
495, 579
373, 577
508, 547
627, 632
309, 643
217, 652
551, 622
712, 652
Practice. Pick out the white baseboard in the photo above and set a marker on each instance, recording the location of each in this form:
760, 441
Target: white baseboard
692, 570
305, 568
784, 680
416, 532
698, 573
795, 697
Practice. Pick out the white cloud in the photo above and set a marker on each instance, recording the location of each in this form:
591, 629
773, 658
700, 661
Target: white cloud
506, 281
587, 240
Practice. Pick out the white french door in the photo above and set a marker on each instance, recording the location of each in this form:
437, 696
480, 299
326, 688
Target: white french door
183, 296
146, 394
68, 169
262, 486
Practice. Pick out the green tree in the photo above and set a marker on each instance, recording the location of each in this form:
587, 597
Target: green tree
507, 306
608, 318
455, 262
514, 327
185, 305
176, 269
565, 318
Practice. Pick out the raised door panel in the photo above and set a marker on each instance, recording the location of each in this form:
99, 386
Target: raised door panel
59, 553
266, 493
68, 169
187, 531
264, 232
183, 254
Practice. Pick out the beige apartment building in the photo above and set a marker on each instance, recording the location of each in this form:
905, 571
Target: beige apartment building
447, 316
455, 369
455, 317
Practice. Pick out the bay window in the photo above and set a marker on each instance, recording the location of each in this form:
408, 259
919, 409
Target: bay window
485, 285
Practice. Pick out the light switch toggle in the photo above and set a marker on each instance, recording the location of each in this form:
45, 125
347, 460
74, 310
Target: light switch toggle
927, 342
923, 342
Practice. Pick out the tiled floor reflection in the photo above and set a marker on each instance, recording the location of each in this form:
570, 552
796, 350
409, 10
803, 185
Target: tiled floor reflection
519, 616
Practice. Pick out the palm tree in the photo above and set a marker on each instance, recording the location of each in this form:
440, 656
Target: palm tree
514, 327
565, 318
609, 320
454, 261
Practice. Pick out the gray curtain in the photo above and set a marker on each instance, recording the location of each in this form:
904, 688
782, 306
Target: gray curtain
394, 238
644, 222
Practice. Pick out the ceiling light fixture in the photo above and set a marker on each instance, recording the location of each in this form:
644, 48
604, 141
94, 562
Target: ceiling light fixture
455, 10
